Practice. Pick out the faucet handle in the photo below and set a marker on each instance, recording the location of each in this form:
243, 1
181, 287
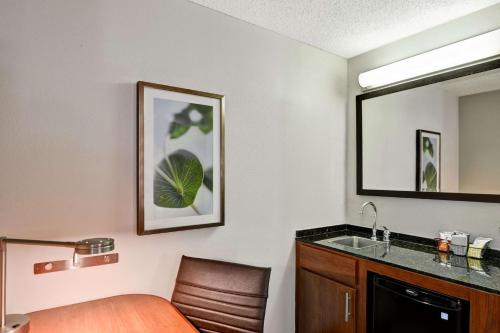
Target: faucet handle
387, 234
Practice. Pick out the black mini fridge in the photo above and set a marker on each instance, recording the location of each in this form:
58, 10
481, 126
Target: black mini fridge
396, 307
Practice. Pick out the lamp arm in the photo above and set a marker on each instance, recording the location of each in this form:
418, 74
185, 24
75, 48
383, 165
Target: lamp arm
38, 242
3, 287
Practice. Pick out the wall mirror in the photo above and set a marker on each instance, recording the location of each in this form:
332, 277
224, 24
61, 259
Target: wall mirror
432, 138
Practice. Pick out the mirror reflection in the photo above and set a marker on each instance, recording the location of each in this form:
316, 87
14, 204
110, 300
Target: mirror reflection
443, 137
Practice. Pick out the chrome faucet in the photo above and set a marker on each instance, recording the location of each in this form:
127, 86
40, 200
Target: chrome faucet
387, 234
374, 228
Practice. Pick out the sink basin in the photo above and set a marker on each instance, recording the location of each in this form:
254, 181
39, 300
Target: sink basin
355, 242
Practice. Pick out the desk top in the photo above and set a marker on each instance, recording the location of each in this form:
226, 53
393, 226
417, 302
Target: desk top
118, 314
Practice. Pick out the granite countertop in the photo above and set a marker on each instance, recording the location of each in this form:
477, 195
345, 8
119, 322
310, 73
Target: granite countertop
414, 254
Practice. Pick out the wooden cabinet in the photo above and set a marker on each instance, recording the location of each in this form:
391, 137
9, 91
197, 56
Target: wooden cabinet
324, 306
328, 264
326, 294
329, 282
485, 314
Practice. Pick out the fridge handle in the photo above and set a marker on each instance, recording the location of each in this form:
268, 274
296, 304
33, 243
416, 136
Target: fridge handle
347, 307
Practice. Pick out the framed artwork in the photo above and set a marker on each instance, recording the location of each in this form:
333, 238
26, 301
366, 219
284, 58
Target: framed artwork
180, 159
428, 161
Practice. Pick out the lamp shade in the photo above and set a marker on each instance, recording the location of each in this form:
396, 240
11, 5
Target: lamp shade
95, 246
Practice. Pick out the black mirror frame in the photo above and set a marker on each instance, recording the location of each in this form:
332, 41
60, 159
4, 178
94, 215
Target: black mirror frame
453, 74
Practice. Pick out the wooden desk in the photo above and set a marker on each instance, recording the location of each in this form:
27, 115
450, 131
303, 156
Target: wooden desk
118, 314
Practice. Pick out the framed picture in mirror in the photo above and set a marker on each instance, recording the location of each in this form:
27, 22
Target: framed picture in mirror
428, 161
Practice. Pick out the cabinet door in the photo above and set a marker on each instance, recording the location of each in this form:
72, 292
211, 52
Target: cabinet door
485, 312
324, 306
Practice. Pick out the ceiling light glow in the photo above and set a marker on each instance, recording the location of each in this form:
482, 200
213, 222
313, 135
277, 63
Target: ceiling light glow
447, 57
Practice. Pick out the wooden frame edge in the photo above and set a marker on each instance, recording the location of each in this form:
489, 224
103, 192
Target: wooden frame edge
141, 231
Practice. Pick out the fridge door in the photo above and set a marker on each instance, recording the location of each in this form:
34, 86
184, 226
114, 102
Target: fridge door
397, 307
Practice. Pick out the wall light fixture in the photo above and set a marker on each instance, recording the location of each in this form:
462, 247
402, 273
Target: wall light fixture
19, 323
464, 53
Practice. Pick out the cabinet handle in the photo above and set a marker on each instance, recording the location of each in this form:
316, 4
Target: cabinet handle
347, 307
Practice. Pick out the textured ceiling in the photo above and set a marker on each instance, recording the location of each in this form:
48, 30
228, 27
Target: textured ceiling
347, 27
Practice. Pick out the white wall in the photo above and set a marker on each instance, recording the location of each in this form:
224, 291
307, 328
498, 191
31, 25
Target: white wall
390, 123
68, 142
479, 142
417, 216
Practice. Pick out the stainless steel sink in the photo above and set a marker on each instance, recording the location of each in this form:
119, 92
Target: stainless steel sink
355, 242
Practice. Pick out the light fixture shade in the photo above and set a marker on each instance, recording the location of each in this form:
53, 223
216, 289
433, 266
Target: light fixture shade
94, 246
468, 51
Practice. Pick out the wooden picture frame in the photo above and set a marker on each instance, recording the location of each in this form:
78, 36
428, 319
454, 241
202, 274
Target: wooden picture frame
180, 159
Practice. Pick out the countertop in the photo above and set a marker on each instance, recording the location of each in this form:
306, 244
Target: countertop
414, 254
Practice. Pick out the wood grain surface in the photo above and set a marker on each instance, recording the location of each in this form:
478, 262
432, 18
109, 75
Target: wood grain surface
331, 265
118, 314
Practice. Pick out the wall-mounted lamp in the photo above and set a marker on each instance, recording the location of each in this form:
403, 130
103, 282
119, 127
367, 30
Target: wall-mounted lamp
19, 323
467, 52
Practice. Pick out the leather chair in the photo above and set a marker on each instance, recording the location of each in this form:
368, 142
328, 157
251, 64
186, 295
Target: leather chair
222, 297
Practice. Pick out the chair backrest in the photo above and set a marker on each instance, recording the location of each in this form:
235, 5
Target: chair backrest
218, 296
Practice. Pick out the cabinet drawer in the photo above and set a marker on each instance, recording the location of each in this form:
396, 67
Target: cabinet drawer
334, 266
